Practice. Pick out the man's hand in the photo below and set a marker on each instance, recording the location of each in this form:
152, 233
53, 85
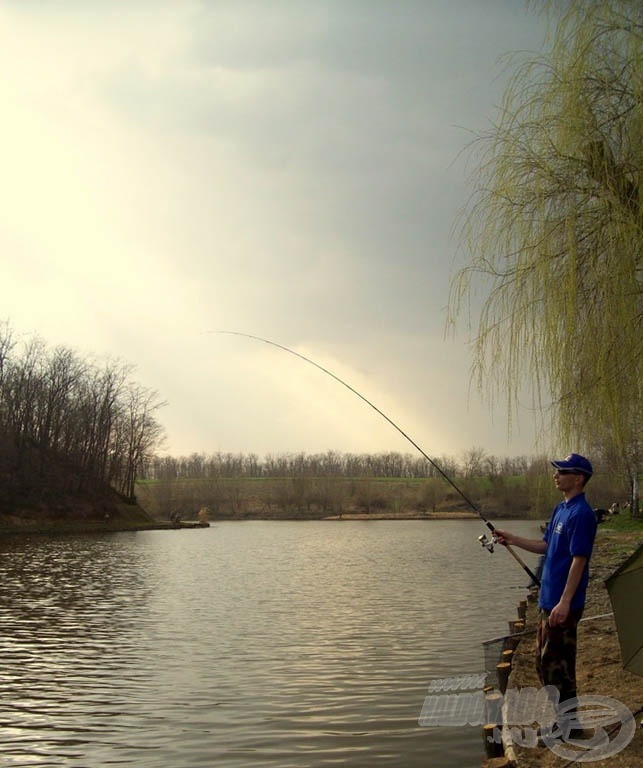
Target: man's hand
559, 613
503, 537
512, 539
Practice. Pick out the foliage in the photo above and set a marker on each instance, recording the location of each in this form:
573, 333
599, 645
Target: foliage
554, 229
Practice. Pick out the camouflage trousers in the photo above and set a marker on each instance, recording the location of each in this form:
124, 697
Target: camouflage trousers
556, 653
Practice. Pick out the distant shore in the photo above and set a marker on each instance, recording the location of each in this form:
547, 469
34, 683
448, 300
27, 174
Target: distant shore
122, 524
404, 516
115, 525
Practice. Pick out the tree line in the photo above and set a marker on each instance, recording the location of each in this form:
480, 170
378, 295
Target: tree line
68, 424
238, 486
475, 462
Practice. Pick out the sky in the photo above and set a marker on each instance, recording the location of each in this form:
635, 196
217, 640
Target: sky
290, 169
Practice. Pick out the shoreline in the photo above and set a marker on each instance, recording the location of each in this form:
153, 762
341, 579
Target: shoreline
66, 528
599, 667
49, 527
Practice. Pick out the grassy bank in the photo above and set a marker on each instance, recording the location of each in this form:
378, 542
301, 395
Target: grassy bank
308, 497
301, 497
316, 497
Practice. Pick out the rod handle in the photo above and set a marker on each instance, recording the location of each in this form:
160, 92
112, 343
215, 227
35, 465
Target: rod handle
519, 559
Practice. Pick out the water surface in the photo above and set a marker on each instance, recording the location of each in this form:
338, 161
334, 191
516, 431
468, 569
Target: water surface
290, 644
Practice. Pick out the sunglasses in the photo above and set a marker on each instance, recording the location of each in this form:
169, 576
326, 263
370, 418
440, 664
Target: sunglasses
568, 472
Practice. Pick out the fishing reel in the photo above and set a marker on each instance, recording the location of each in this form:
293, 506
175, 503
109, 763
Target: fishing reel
487, 543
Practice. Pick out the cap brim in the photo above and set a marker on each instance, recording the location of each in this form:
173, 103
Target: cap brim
570, 465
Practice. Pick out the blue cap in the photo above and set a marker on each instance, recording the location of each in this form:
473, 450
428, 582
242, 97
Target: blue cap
575, 462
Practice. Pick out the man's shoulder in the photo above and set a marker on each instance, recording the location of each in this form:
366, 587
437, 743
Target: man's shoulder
582, 518
580, 505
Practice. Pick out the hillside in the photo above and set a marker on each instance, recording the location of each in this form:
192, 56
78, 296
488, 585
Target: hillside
45, 491
106, 512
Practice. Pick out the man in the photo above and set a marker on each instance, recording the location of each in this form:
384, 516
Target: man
567, 545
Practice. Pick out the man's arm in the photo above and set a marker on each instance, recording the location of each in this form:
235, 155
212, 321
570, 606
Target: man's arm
530, 545
560, 612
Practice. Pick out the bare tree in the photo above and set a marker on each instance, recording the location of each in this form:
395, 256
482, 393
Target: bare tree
473, 461
139, 433
6, 346
62, 373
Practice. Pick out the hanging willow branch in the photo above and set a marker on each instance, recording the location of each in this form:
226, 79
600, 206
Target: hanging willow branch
553, 230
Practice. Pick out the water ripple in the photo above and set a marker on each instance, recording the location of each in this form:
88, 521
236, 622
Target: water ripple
298, 645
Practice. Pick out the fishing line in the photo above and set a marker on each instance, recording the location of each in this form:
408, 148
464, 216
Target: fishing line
438, 469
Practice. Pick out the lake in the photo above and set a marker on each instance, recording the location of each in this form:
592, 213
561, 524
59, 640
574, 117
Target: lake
247, 644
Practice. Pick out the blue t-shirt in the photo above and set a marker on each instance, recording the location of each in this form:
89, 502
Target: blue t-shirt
569, 533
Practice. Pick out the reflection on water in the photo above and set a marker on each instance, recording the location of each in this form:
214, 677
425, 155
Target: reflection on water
292, 644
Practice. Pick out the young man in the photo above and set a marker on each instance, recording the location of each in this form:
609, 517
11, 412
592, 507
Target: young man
567, 545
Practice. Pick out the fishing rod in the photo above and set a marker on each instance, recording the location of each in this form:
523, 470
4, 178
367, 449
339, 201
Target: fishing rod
487, 543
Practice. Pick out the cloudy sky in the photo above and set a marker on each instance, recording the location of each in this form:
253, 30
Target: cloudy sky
283, 168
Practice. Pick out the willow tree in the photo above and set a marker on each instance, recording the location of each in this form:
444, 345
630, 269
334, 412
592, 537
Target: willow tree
553, 232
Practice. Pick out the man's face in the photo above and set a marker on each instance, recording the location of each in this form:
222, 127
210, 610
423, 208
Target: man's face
568, 481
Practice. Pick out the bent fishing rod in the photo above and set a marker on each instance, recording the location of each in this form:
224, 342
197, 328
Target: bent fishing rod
486, 543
